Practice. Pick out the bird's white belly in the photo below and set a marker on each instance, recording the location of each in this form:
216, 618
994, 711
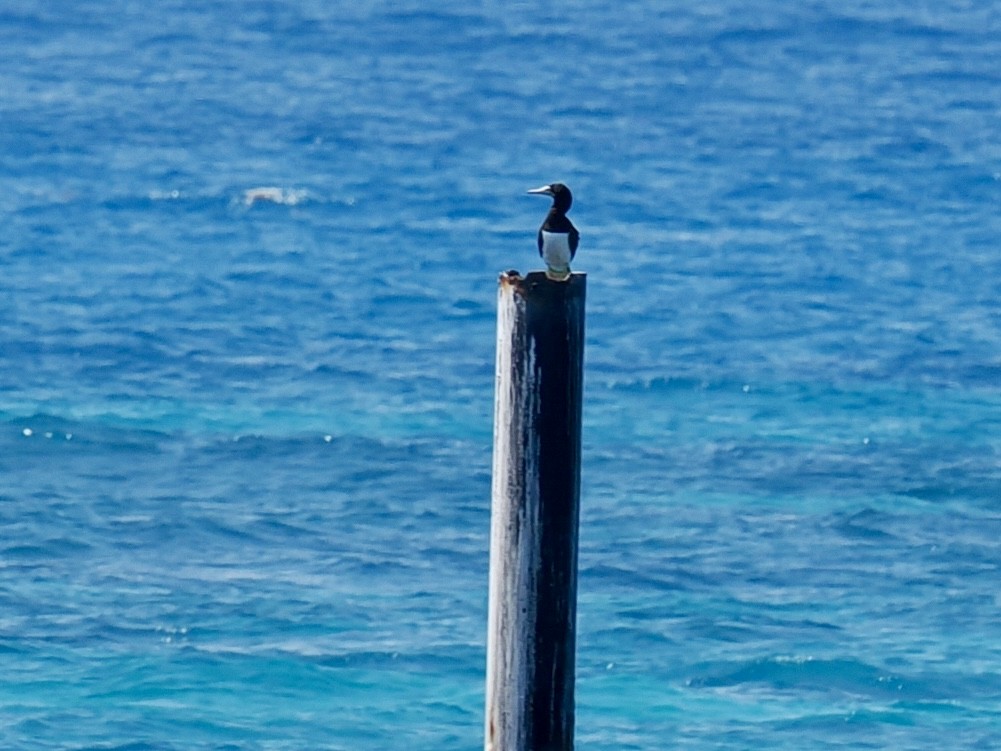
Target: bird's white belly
556, 250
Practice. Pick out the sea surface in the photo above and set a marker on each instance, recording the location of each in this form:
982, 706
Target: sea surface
248, 275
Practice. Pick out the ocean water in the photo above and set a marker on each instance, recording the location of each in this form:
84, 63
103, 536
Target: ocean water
248, 268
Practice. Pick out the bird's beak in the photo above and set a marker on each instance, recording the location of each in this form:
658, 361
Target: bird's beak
545, 190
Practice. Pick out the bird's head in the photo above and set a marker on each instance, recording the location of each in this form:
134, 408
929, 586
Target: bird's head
560, 193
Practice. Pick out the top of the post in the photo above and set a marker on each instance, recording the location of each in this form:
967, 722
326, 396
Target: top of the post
538, 282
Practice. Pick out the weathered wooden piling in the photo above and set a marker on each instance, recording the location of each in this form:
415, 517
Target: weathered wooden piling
531, 637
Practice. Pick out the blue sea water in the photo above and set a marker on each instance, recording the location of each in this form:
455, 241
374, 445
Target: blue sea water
247, 302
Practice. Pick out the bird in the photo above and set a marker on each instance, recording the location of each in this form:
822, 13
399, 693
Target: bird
558, 238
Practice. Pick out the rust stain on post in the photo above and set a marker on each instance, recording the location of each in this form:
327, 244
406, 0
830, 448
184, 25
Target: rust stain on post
510, 279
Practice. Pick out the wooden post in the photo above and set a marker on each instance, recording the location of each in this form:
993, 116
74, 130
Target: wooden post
532, 618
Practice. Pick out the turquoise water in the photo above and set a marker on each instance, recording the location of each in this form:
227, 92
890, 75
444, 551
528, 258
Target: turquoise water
249, 268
